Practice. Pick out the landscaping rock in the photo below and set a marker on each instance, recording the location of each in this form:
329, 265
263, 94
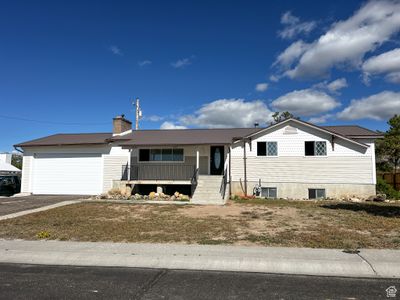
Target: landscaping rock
380, 198
176, 194
152, 195
356, 200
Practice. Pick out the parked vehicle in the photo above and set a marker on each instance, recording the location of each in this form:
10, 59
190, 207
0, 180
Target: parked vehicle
9, 185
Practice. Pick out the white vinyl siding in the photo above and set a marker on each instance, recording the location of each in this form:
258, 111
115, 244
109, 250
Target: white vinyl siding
67, 173
305, 169
26, 176
113, 169
344, 162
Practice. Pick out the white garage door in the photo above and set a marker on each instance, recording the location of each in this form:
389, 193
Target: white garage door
78, 173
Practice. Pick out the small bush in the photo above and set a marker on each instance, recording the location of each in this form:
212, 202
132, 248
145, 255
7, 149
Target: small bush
384, 188
43, 235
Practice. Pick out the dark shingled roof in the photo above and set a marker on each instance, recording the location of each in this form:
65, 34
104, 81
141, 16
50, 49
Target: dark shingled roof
69, 139
178, 136
353, 131
183, 136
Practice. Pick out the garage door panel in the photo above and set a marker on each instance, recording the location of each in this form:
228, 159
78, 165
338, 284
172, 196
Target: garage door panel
67, 173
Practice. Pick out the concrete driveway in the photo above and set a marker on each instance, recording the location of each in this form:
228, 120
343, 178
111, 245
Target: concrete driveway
9, 205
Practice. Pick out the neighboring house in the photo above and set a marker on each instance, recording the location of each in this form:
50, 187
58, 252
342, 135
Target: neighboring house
291, 159
5, 165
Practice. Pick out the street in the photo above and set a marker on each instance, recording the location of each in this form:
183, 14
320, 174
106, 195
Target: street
20, 281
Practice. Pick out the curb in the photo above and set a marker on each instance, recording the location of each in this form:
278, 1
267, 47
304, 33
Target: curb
298, 261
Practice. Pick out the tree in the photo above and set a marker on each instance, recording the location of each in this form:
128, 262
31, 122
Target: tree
388, 149
16, 161
281, 116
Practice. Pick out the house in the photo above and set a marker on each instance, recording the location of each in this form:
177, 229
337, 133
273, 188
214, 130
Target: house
290, 159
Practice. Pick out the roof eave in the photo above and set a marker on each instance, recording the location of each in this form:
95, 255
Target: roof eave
312, 126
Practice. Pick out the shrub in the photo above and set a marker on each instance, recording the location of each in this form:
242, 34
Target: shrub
384, 188
43, 235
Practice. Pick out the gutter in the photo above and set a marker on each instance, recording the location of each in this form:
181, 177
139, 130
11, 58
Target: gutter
19, 150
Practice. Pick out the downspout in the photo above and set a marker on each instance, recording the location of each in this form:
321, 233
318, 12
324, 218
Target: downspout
229, 170
245, 166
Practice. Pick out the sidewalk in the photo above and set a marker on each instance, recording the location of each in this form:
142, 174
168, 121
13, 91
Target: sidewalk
304, 261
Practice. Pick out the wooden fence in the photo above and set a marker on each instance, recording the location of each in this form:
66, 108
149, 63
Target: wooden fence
390, 178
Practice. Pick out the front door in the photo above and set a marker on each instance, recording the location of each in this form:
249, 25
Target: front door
216, 160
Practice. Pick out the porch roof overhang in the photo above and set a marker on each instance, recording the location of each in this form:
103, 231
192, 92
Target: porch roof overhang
181, 137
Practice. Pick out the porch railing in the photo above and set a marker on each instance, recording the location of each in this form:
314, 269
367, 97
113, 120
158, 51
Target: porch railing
159, 171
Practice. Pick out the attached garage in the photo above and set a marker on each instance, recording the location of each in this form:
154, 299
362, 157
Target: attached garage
67, 173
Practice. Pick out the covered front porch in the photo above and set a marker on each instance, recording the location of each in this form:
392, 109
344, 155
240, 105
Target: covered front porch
174, 164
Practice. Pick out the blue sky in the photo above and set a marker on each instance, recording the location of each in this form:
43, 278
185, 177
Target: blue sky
68, 66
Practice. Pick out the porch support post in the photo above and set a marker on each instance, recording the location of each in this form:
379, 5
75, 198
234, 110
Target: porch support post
197, 159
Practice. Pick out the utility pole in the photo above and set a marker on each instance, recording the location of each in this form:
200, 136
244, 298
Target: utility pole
138, 114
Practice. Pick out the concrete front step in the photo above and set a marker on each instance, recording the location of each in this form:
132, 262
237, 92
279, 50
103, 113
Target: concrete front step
208, 190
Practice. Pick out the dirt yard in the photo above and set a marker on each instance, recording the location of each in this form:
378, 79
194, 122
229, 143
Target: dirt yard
319, 224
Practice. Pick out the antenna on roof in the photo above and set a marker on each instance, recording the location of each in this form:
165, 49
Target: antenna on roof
256, 125
138, 115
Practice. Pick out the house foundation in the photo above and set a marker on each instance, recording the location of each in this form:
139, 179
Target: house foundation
300, 190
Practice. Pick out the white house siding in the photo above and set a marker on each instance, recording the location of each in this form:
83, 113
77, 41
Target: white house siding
26, 173
346, 168
112, 166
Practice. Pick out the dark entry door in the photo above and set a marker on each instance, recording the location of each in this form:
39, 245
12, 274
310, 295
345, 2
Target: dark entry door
216, 160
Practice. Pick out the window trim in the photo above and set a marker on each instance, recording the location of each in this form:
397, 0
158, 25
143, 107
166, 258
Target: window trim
269, 187
266, 149
315, 142
316, 189
161, 161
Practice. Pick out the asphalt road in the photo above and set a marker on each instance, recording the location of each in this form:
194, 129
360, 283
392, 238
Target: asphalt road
9, 205
19, 281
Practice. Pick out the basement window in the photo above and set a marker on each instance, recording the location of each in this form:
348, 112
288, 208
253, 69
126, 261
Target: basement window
161, 155
313, 148
316, 194
267, 148
269, 192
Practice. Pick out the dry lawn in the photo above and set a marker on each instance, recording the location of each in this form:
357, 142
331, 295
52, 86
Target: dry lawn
320, 224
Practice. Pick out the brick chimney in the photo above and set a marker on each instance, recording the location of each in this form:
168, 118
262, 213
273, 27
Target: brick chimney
120, 124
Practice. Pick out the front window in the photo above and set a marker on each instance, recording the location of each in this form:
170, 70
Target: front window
267, 148
313, 148
167, 154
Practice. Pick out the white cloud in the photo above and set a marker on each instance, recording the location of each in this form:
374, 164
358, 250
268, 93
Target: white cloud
346, 42
306, 102
261, 87
274, 78
182, 63
385, 63
229, 113
321, 119
337, 84
171, 125
393, 77
294, 27
291, 54
143, 63
381, 106
153, 118
115, 50
334, 86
